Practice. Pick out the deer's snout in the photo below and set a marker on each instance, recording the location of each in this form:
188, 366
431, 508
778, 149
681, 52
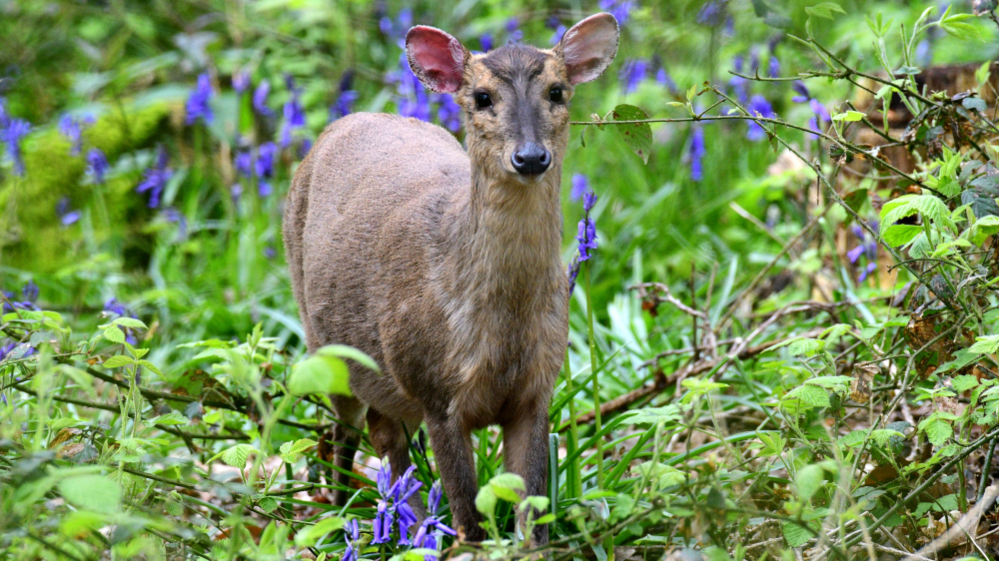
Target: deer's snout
531, 159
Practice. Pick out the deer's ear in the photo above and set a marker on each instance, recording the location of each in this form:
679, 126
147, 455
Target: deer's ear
436, 58
589, 47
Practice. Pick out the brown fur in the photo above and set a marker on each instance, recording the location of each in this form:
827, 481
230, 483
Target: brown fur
445, 268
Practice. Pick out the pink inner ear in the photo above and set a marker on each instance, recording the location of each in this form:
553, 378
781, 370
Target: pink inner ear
589, 47
436, 58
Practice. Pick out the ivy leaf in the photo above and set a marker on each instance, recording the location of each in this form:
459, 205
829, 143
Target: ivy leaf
638, 136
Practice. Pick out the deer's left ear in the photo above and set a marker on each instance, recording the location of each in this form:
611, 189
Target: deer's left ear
436, 58
589, 47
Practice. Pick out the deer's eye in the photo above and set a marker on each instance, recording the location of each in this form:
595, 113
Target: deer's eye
482, 100
555, 94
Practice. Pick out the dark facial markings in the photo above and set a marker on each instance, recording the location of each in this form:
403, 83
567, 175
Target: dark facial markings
519, 78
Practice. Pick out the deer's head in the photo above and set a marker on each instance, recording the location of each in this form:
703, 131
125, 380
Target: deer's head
514, 98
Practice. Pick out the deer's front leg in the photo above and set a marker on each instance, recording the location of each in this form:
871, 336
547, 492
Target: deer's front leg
525, 440
453, 452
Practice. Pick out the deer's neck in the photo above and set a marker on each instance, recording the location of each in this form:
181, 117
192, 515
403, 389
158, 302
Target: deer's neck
508, 240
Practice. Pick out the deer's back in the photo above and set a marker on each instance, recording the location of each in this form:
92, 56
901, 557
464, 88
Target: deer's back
368, 178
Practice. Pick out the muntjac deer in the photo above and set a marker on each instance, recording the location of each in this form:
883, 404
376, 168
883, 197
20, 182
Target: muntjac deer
444, 266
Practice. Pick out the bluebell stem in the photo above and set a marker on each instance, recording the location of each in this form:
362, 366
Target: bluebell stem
73, 129
260, 99
264, 167
586, 238
580, 184
241, 82
758, 107
97, 165
154, 179
633, 73
197, 103
67, 217
351, 534
11, 135
620, 9
449, 113
294, 114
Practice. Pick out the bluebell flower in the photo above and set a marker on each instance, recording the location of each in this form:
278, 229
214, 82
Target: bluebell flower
697, 151
587, 238
868, 248
415, 102
294, 114
97, 165
633, 73
244, 163
711, 13
758, 107
66, 216
403, 489
4, 118
385, 25
344, 104
589, 200
11, 135
154, 179
384, 518
486, 42
73, 129
197, 103
449, 113
351, 534
802, 90
7, 350
820, 114
730, 27
260, 99
303, 147
425, 535
175, 216
405, 20
241, 82
30, 292
580, 184
620, 9
557, 35
514, 34
738, 83
664, 79
774, 66
264, 168
754, 61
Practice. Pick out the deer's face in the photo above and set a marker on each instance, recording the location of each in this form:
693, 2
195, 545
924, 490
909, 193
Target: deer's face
515, 98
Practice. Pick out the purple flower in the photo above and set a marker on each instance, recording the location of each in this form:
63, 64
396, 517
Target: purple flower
449, 113
924, 53
633, 73
486, 42
66, 216
11, 134
697, 151
802, 90
774, 66
557, 35
432, 525
666, 80
738, 83
589, 199
154, 179
415, 102
405, 19
241, 82
351, 534
173, 215
73, 129
197, 102
587, 238
385, 25
30, 292
97, 165
244, 163
711, 13
264, 167
758, 107
260, 99
514, 35
345, 101
620, 9
294, 114
868, 248
4, 118
819, 113
580, 184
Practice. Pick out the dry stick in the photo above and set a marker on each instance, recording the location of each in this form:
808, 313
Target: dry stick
967, 524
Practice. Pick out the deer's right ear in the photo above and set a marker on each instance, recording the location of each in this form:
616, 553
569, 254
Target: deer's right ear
589, 47
436, 58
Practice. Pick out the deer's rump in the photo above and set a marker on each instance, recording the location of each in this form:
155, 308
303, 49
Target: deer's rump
365, 209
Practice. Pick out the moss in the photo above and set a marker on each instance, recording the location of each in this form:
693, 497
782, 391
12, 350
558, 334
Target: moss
30, 230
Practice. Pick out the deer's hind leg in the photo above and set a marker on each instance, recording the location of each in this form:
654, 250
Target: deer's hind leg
346, 438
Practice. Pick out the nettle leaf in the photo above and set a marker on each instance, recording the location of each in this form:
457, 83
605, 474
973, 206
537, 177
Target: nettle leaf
882, 436
652, 415
638, 136
807, 347
839, 383
964, 382
898, 235
92, 492
813, 396
773, 443
114, 334
798, 535
130, 322
236, 456
988, 344
937, 430
907, 205
171, 418
118, 361
320, 375
291, 451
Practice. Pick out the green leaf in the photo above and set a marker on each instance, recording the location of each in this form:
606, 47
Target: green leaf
808, 481
150, 366
897, 235
824, 10
171, 418
118, 361
928, 206
320, 375
506, 485
963, 31
291, 451
812, 396
807, 347
310, 536
937, 430
130, 322
638, 136
661, 475
267, 504
882, 436
92, 492
974, 104
797, 535
349, 353
114, 334
773, 443
236, 456
848, 116
485, 501
652, 415
988, 344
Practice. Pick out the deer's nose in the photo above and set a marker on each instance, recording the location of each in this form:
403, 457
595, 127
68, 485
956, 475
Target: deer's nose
531, 159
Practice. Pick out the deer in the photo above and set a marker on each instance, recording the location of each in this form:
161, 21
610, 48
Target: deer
443, 264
